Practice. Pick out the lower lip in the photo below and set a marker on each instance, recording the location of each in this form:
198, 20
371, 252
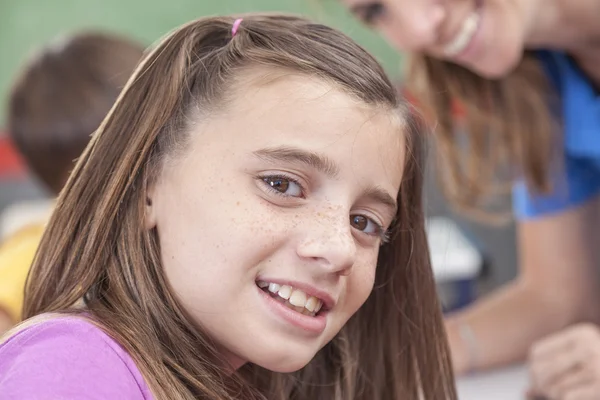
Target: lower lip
315, 325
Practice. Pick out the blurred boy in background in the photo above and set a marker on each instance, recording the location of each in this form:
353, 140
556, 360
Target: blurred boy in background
58, 101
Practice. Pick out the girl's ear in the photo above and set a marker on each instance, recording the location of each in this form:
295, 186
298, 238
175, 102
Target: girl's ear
150, 214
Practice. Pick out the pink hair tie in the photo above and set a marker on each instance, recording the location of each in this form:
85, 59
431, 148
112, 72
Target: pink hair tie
236, 26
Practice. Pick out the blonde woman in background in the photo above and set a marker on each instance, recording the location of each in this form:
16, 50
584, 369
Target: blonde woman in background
525, 73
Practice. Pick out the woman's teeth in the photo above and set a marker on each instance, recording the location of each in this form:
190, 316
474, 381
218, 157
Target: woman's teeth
295, 299
464, 37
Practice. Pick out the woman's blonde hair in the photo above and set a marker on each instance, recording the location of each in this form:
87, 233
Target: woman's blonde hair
96, 247
505, 128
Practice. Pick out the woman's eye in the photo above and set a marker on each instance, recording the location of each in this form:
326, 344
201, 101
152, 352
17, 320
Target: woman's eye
372, 12
284, 186
366, 225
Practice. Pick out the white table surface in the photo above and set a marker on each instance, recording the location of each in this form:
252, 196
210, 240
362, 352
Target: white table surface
453, 257
502, 384
18, 215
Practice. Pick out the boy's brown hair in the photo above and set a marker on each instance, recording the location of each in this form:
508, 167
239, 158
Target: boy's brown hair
62, 96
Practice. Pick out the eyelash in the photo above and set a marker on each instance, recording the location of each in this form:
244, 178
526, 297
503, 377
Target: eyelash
383, 234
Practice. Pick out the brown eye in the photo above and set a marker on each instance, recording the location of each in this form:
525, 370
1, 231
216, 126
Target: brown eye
280, 184
366, 225
359, 222
371, 13
284, 186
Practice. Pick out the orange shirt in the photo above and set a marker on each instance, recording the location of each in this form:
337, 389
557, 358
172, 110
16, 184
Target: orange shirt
16, 255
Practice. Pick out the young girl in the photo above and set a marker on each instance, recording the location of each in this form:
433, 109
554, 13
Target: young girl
246, 223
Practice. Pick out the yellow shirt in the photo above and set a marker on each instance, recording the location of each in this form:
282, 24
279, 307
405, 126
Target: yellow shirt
16, 255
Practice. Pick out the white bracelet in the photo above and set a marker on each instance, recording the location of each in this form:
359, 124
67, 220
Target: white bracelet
468, 338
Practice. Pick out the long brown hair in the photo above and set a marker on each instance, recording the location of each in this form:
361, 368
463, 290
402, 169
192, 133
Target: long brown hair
506, 128
62, 96
96, 247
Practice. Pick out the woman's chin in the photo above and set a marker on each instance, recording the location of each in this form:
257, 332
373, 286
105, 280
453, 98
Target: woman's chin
499, 64
496, 70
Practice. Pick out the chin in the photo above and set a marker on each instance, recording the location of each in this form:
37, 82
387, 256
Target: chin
498, 65
284, 363
495, 72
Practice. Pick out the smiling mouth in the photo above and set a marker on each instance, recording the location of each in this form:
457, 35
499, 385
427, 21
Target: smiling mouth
294, 299
465, 35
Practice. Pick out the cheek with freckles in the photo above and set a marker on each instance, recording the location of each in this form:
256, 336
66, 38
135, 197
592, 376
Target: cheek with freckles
359, 285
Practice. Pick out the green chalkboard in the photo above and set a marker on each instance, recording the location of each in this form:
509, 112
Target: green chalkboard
27, 24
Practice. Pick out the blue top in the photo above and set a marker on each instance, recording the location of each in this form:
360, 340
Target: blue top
579, 179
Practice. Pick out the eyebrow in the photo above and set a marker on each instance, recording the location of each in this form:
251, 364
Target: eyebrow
324, 165
382, 196
317, 161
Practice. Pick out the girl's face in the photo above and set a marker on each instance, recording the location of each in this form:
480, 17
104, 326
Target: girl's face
486, 36
271, 223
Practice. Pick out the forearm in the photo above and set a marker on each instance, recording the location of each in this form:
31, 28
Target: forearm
503, 325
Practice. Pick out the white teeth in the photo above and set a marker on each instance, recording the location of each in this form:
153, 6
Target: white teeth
306, 312
274, 288
311, 303
463, 38
298, 298
285, 292
318, 307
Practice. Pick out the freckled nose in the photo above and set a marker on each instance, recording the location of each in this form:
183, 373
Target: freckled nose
329, 241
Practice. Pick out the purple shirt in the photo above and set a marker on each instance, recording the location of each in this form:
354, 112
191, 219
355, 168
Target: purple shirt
68, 358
